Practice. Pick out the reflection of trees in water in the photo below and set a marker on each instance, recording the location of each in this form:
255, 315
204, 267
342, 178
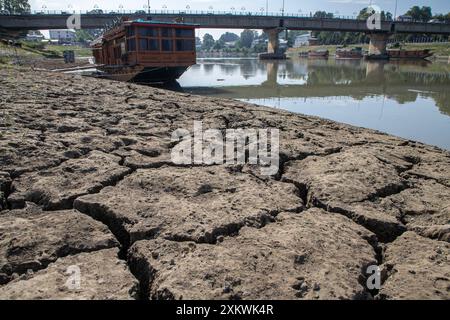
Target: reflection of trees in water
400, 81
248, 68
208, 68
319, 75
442, 100
229, 69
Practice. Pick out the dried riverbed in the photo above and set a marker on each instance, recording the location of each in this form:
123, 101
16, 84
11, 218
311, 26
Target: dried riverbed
87, 181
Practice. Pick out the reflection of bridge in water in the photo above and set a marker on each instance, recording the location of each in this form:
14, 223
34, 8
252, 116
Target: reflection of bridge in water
402, 82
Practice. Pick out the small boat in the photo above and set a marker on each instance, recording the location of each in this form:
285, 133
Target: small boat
145, 51
318, 54
376, 57
409, 54
354, 53
272, 56
303, 54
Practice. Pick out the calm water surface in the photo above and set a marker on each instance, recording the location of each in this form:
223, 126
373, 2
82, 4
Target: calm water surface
407, 99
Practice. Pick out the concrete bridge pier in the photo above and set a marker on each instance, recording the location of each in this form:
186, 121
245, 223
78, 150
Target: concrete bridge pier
273, 46
378, 46
274, 43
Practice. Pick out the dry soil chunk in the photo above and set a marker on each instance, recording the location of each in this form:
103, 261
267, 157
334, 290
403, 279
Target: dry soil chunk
56, 188
417, 268
347, 182
30, 239
195, 204
102, 277
311, 255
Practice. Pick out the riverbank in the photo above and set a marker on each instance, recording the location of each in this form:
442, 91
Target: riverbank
441, 50
35, 55
87, 181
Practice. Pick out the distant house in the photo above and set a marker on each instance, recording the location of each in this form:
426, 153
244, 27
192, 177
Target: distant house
34, 36
230, 44
305, 40
62, 36
405, 18
258, 41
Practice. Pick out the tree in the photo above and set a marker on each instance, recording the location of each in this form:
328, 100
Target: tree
15, 6
420, 14
83, 36
247, 37
229, 37
208, 42
323, 15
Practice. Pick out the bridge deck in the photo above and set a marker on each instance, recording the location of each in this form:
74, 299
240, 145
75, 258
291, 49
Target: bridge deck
223, 20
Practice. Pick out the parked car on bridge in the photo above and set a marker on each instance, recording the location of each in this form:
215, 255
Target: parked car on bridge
404, 18
95, 11
437, 21
140, 12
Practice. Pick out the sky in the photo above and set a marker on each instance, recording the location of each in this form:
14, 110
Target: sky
339, 7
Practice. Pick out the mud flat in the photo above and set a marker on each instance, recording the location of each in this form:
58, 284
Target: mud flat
88, 190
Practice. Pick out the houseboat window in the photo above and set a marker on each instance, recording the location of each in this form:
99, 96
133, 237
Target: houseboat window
166, 45
131, 45
185, 45
143, 45
130, 31
148, 32
184, 33
153, 44
166, 32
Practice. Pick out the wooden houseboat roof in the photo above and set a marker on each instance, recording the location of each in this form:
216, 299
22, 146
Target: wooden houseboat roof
111, 33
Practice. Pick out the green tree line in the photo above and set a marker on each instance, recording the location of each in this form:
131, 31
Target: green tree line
15, 6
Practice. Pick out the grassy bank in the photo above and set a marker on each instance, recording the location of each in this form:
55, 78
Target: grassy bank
41, 55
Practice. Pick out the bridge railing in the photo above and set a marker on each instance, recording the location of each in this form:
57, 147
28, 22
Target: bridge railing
195, 12
178, 12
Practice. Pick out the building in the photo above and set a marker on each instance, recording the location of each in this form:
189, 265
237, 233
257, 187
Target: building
62, 36
230, 44
34, 36
305, 40
404, 18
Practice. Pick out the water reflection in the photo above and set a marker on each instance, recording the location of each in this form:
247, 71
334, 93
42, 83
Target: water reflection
407, 98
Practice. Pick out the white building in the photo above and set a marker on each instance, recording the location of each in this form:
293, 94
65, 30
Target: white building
34, 36
62, 35
304, 40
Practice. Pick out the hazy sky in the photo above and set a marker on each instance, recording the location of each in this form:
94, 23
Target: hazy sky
341, 7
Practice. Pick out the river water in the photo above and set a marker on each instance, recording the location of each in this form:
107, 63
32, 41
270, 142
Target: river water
407, 99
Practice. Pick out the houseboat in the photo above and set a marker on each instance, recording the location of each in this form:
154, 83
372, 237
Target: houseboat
409, 54
354, 53
145, 50
322, 54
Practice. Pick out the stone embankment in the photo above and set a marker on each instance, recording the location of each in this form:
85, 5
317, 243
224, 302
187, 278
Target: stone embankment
86, 180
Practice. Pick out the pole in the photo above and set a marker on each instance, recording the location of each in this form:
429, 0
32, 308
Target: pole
267, 7
282, 11
395, 12
148, 6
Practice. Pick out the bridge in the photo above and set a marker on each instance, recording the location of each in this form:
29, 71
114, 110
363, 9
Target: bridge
272, 24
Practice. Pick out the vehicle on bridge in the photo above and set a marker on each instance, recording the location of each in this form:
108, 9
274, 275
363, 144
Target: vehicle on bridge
146, 51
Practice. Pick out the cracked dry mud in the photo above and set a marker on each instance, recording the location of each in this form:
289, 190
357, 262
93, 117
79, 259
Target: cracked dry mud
86, 180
